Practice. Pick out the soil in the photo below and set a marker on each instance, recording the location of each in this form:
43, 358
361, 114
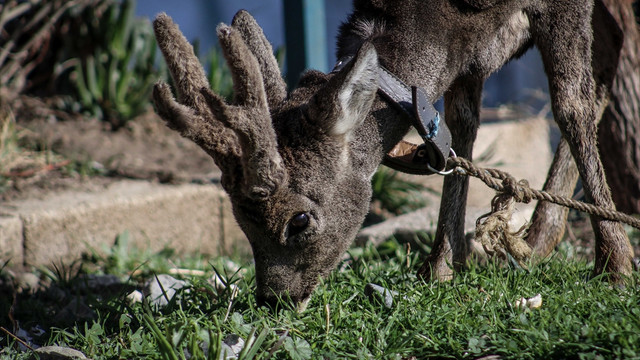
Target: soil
143, 149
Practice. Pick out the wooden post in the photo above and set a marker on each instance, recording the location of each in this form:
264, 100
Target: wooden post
305, 37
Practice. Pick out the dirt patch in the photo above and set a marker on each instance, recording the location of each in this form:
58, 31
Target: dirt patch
94, 155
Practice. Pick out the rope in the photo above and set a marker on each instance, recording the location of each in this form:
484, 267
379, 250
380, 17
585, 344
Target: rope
492, 229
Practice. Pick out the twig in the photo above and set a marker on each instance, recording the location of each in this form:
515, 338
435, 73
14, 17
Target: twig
278, 344
31, 172
16, 338
188, 272
15, 12
234, 293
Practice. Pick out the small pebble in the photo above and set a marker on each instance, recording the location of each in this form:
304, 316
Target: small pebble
232, 345
135, 297
531, 303
27, 282
219, 284
387, 295
161, 295
57, 353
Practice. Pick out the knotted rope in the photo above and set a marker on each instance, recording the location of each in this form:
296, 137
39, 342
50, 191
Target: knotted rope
492, 229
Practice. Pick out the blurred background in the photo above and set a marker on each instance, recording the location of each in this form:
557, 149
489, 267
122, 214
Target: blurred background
520, 81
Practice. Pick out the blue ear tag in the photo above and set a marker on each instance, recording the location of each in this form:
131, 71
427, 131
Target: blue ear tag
434, 126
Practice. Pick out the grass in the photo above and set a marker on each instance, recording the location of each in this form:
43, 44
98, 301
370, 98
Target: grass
470, 317
396, 194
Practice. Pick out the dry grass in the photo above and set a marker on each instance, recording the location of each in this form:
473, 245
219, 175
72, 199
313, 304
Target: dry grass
15, 160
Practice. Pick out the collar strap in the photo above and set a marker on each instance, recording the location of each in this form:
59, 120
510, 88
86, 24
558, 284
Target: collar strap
412, 101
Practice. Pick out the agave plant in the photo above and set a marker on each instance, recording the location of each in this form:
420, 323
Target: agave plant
114, 81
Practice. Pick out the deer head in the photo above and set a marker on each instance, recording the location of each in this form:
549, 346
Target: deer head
291, 165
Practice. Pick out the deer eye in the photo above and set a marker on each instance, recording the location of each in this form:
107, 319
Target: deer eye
298, 224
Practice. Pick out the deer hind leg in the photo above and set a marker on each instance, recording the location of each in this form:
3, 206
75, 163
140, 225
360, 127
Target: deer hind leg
450, 249
564, 38
549, 220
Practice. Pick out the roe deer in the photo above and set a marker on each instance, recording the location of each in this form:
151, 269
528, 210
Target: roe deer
297, 166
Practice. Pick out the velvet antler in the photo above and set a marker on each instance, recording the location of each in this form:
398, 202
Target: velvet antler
238, 136
253, 36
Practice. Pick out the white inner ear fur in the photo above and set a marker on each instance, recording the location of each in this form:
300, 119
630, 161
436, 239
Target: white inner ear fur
357, 93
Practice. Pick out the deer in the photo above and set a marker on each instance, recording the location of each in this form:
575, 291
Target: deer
297, 164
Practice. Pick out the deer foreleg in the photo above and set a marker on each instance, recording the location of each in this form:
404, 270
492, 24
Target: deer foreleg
450, 249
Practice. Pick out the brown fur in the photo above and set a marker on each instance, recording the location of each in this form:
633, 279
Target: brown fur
313, 151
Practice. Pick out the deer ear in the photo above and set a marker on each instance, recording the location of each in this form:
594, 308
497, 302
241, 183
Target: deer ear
344, 102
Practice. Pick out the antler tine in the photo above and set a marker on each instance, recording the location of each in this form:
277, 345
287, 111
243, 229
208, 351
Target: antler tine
190, 124
239, 137
247, 77
262, 165
263, 169
191, 115
184, 66
256, 41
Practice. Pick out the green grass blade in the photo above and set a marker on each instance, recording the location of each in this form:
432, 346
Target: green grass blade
165, 346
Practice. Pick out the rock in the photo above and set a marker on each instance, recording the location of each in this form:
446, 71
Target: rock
56, 353
135, 297
531, 303
162, 288
235, 342
226, 352
220, 285
373, 290
27, 281
98, 283
75, 311
232, 345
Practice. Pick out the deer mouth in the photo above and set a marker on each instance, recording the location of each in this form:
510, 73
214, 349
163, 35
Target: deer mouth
273, 300
272, 303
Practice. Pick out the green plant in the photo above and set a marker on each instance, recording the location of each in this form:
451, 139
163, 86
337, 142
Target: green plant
29, 33
64, 275
218, 73
473, 316
114, 80
395, 193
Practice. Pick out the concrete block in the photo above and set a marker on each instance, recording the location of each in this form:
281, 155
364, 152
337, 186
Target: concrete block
188, 218
11, 240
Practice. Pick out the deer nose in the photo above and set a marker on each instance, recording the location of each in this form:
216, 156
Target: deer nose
300, 302
270, 301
